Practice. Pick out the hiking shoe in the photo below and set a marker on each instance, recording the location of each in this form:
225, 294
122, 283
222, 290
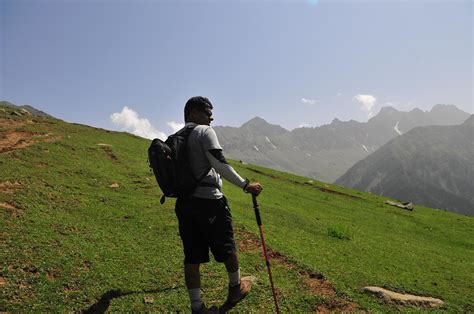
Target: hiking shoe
205, 310
239, 292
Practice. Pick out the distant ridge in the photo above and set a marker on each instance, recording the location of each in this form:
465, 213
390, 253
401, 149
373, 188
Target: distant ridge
432, 165
29, 108
469, 121
327, 152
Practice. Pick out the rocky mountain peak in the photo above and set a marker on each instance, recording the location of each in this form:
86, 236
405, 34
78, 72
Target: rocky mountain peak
385, 114
258, 124
388, 110
256, 121
447, 114
444, 108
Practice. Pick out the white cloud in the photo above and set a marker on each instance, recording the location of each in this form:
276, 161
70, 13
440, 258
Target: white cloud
367, 102
305, 125
131, 122
310, 102
175, 126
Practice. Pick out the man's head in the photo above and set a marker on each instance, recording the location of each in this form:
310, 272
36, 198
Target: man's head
198, 109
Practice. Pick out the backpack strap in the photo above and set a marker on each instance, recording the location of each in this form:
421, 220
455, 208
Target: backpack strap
186, 131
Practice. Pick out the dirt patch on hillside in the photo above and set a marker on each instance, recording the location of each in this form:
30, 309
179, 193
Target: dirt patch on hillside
247, 241
52, 274
8, 187
11, 140
13, 123
30, 269
339, 306
24, 273
316, 284
14, 139
109, 152
85, 267
12, 211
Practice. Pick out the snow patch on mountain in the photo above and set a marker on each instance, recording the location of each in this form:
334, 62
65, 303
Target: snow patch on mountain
397, 129
268, 140
256, 148
365, 147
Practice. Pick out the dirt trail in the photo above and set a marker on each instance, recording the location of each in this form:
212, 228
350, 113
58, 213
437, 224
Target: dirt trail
316, 283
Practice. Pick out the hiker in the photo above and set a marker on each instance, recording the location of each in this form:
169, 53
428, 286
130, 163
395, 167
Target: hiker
204, 217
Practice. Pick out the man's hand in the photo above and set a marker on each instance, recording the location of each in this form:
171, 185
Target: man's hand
254, 187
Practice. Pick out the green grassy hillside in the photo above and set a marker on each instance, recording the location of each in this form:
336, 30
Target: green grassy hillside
82, 230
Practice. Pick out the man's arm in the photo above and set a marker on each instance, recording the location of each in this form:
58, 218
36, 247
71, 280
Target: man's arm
218, 162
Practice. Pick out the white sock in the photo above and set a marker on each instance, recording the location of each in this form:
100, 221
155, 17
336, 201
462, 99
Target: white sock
234, 278
195, 297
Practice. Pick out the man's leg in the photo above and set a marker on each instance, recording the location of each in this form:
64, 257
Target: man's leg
232, 266
238, 287
192, 277
224, 245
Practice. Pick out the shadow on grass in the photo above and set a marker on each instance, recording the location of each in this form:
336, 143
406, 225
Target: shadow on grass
103, 303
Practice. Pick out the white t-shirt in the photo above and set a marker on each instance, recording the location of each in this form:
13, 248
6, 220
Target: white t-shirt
202, 139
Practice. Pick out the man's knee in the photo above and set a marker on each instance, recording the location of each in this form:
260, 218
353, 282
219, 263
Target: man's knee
232, 262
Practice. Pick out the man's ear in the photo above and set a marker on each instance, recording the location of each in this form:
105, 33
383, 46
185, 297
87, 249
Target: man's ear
192, 115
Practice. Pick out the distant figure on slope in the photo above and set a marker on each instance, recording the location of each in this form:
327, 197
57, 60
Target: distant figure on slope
204, 217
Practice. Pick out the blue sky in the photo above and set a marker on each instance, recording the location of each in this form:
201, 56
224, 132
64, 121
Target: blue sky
291, 62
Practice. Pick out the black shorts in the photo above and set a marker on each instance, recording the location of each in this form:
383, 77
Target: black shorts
204, 224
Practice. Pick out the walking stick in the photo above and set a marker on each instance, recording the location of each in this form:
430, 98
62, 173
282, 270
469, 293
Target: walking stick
259, 222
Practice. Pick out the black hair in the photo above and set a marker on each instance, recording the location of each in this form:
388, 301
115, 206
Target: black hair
196, 102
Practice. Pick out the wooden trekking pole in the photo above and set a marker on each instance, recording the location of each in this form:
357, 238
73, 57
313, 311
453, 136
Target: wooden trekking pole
259, 223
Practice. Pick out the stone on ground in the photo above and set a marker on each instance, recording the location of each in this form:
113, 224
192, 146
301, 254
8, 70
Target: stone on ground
404, 299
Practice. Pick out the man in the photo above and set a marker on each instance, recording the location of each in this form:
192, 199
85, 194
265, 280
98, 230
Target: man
204, 218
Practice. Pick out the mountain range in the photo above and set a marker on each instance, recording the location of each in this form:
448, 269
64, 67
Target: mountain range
326, 152
425, 157
432, 165
82, 230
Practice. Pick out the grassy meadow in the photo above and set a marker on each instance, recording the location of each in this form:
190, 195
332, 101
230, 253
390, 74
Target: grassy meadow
82, 230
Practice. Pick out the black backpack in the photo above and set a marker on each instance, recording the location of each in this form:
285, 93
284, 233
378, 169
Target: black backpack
169, 163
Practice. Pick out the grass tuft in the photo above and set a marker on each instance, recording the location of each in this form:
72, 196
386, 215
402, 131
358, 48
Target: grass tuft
340, 232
